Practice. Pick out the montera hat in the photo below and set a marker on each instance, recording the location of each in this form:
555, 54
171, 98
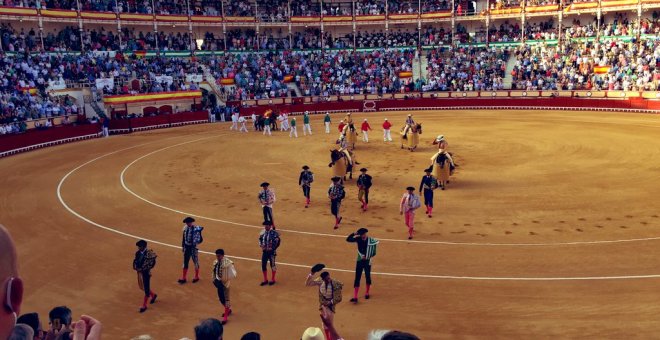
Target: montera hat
362, 231
410, 188
336, 178
265, 184
305, 167
188, 220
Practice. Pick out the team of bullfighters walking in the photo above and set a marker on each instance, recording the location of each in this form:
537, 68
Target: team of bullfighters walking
223, 269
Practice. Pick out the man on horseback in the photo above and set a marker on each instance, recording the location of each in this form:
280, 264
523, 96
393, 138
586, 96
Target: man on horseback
343, 148
410, 125
441, 142
442, 147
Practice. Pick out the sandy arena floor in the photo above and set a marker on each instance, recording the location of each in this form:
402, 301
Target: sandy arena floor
549, 228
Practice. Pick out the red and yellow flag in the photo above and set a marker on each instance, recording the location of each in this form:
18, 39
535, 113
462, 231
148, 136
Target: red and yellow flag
602, 69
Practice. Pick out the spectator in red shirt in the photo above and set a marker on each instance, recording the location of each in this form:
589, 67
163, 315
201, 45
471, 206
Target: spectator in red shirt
341, 126
365, 128
387, 137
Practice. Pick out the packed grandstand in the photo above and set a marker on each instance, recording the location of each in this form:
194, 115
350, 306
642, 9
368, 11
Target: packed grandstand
245, 51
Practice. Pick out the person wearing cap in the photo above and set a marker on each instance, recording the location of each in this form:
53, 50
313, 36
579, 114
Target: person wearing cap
426, 187
366, 250
242, 121
234, 122
387, 136
283, 122
267, 198
267, 121
330, 294
144, 262
223, 272
365, 131
305, 181
306, 126
269, 241
313, 333
343, 147
326, 122
336, 194
348, 119
192, 236
341, 126
294, 129
410, 122
441, 142
409, 203
364, 184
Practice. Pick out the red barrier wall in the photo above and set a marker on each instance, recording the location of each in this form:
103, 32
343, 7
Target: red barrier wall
161, 121
34, 138
444, 103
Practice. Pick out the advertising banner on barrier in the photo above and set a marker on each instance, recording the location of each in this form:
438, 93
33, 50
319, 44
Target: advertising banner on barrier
56, 85
194, 78
105, 82
165, 79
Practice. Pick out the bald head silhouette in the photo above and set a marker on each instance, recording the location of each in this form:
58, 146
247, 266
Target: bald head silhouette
11, 287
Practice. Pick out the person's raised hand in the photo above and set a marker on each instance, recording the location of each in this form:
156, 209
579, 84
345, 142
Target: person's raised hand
87, 328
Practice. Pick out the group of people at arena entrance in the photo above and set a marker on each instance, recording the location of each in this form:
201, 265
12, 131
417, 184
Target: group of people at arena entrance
271, 121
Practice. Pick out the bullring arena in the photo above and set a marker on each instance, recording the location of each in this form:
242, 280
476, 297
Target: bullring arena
547, 229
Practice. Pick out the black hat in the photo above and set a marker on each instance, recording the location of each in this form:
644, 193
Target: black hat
305, 167
410, 188
428, 170
363, 170
265, 184
188, 220
362, 231
267, 223
317, 267
141, 243
336, 178
219, 251
30, 319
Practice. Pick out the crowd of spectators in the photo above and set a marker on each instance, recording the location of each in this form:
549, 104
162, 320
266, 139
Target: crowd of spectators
623, 66
435, 6
320, 74
505, 32
466, 69
369, 7
541, 30
273, 10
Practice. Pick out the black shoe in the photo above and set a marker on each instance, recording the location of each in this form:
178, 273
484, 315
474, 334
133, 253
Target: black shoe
195, 280
367, 296
224, 322
271, 283
153, 299
143, 309
410, 237
182, 281
263, 283
354, 300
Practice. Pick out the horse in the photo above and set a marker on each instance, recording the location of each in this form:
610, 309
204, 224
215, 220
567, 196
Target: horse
442, 168
340, 165
410, 139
